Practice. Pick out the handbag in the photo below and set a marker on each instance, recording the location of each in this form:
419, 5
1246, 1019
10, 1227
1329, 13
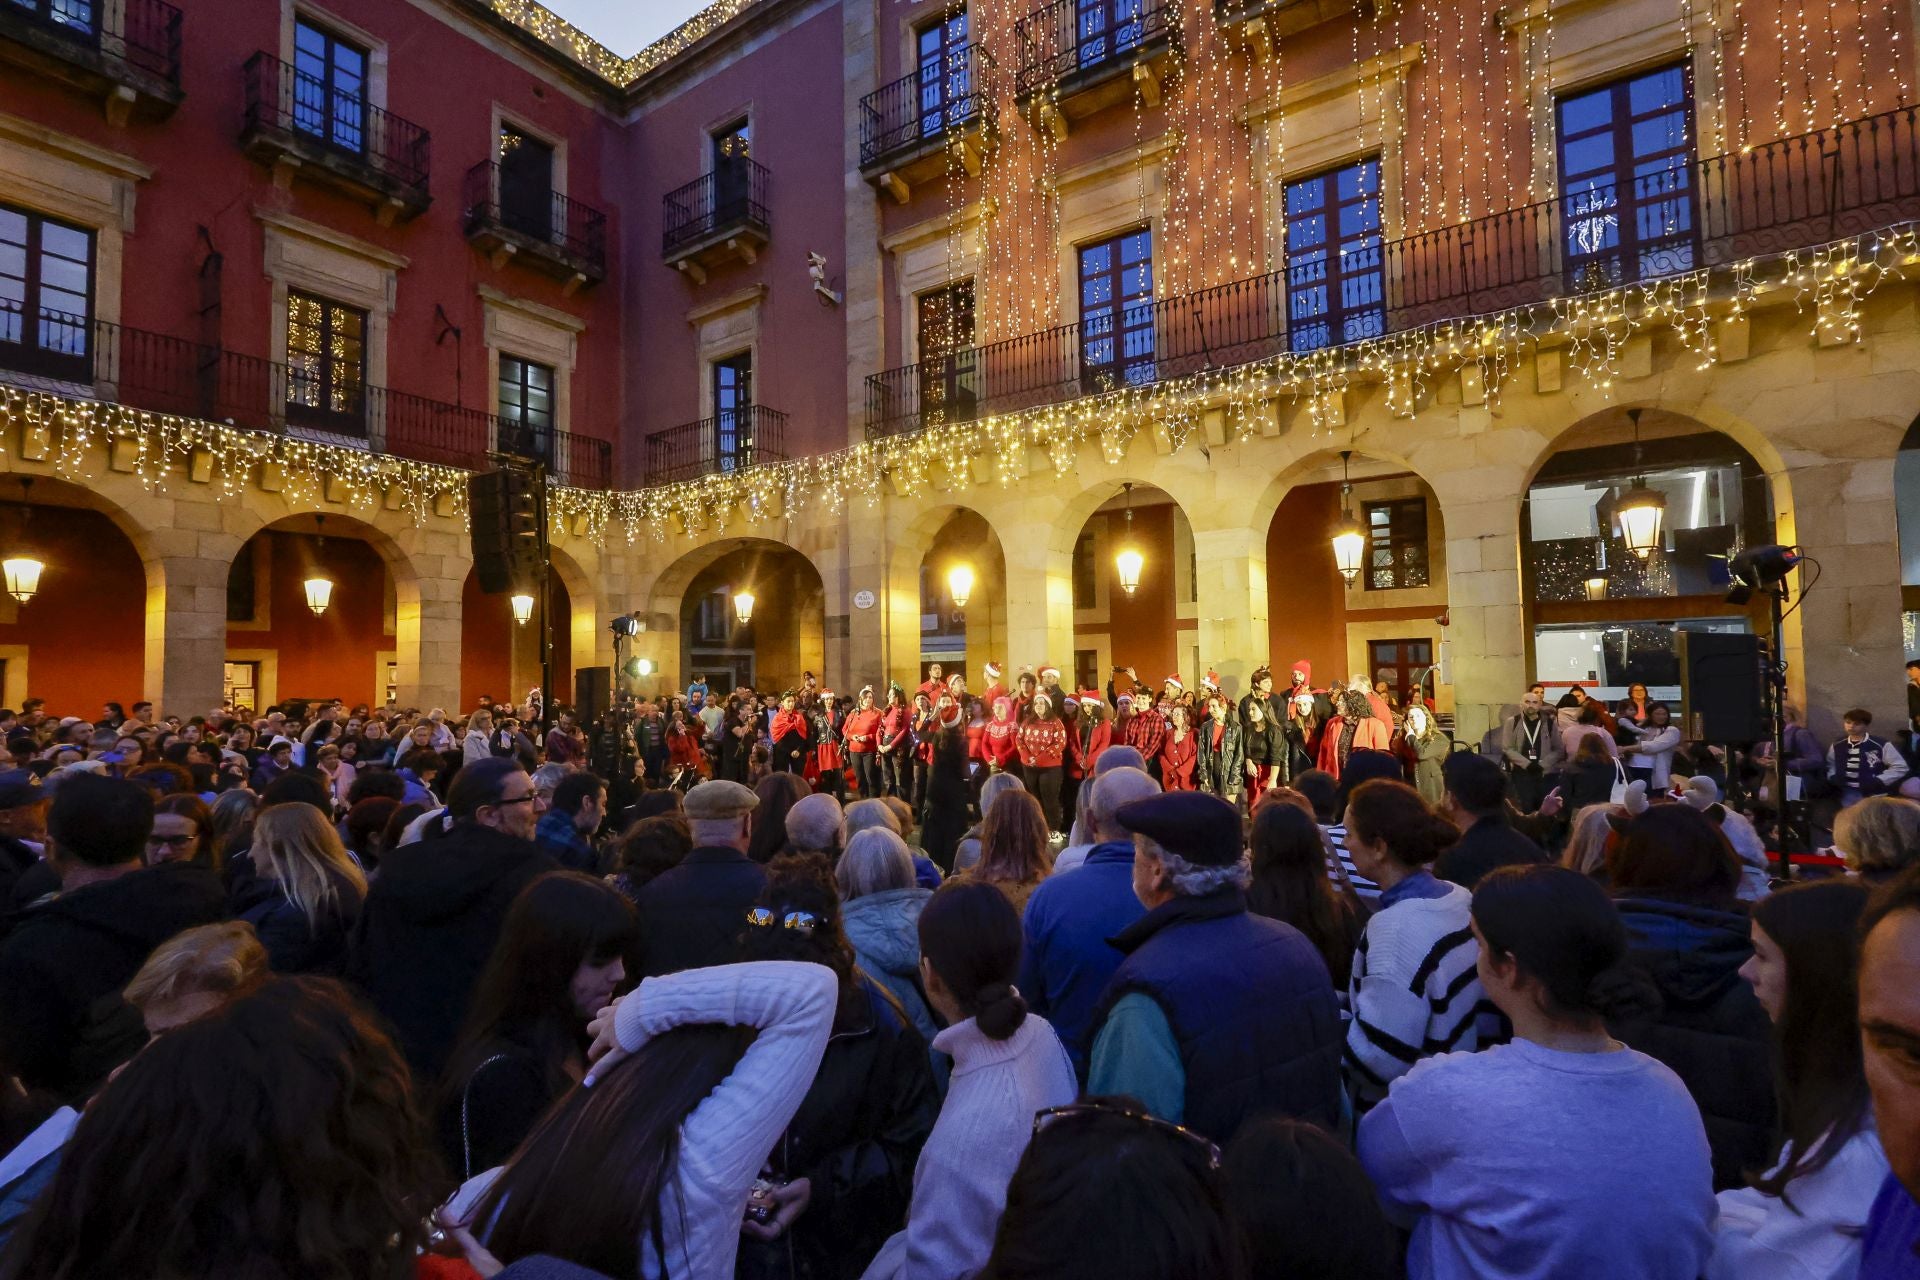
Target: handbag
1619, 793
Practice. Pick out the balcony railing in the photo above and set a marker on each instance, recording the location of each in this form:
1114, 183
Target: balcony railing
1797, 192
165, 374
730, 441
290, 110
1068, 38
142, 36
923, 106
732, 198
537, 219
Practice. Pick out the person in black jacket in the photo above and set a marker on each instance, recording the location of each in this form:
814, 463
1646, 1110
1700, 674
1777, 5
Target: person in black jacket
303, 893
22, 818
945, 819
559, 962
63, 1023
1222, 764
432, 918
1477, 803
1674, 881
691, 916
840, 1178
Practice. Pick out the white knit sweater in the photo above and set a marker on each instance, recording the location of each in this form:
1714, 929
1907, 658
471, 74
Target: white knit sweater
960, 1184
1414, 992
725, 1140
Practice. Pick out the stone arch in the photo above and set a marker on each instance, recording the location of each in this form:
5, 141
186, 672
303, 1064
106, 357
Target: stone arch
790, 612
985, 612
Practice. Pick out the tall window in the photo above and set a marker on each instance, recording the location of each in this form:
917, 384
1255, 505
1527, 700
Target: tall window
1107, 29
526, 407
946, 88
1335, 287
944, 320
733, 411
1626, 179
1116, 312
46, 295
329, 87
732, 174
326, 363
78, 16
1396, 544
526, 183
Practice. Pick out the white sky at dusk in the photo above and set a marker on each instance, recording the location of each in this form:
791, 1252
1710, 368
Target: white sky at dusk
626, 26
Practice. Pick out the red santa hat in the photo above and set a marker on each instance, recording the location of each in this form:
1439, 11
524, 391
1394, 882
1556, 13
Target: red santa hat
1049, 674
1176, 682
1125, 699
992, 670
955, 682
1211, 680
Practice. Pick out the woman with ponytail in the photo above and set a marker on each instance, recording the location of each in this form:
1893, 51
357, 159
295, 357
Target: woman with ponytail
1008, 1065
1563, 1153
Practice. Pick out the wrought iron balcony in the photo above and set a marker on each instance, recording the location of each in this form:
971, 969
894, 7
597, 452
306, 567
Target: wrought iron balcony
716, 217
1080, 56
126, 52
908, 129
299, 125
730, 441
551, 233
1794, 193
165, 374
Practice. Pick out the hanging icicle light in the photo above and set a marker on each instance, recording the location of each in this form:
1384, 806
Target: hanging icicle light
1349, 536
1641, 510
1129, 562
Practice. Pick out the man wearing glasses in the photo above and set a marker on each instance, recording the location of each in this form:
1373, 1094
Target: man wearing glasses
432, 917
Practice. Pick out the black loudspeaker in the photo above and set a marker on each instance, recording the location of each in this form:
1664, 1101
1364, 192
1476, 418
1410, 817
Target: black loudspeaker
592, 691
503, 519
1724, 680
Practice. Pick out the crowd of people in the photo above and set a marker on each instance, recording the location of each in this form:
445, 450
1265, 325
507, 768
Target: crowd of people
1153, 983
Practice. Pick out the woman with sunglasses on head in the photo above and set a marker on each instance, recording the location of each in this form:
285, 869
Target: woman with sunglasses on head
1802, 1218
1563, 1154
1107, 1192
1008, 1065
839, 1178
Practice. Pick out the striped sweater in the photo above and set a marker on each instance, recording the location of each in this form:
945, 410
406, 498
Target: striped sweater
1414, 992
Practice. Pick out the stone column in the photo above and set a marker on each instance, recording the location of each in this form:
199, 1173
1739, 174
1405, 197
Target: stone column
1039, 598
1231, 589
1486, 663
189, 554
427, 586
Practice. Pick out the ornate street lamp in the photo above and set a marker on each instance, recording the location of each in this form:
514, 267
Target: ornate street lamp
1641, 510
960, 584
743, 606
1597, 584
1349, 536
1129, 562
319, 587
22, 569
522, 607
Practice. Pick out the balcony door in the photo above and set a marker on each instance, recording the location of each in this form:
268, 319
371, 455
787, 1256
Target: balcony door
732, 174
46, 296
1626, 180
946, 88
326, 365
1116, 312
329, 88
949, 389
733, 412
526, 408
526, 183
1336, 291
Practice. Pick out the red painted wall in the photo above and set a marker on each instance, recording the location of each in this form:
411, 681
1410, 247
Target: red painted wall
489, 639
793, 88
439, 77
85, 630
333, 655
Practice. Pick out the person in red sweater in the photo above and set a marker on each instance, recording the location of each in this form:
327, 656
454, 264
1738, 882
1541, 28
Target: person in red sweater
1178, 751
686, 762
862, 733
933, 687
1000, 738
896, 745
1146, 732
925, 730
1029, 686
994, 690
1043, 750
1092, 734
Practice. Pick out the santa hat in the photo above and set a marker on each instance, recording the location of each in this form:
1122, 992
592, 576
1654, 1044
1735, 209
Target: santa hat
1175, 682
866, 691
955, 682
1039, 698
992, 670
1125, 698
1211, 680
1049, 675
1070, 700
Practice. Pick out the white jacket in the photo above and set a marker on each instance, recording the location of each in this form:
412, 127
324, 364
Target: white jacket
725, 1140
1758, 1237
1655, 752
960, 1184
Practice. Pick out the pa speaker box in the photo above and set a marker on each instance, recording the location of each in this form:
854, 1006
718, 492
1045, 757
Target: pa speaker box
1725, 685
504, 533
592, 690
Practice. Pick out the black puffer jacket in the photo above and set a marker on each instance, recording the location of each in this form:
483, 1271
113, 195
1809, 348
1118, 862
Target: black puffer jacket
1683, 1001
856, 1138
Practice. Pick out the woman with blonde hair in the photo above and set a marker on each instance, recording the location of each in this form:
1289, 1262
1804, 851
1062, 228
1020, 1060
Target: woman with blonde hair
1879, 837
195, 972
305, 893
1589, 838
1015, 855
478, 744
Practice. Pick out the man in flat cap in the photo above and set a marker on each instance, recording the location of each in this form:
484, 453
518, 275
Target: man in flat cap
1215, 1016
692, 916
